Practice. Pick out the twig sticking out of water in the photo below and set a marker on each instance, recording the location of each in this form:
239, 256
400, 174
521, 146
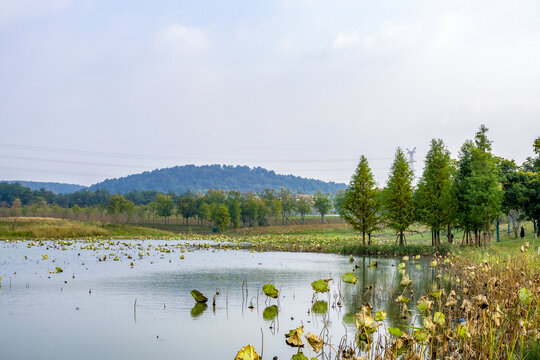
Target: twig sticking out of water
135, 310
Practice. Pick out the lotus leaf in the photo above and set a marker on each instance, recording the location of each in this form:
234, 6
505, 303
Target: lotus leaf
406, 281
402, 299
270, 291
380, 315
525, 296
462, 331
395, 331
439, 318
315, 341
320, 286
363, 318
294, 337
198, 296
436, 294
350, 278
424, 304
247, 353
299, 356
421, 335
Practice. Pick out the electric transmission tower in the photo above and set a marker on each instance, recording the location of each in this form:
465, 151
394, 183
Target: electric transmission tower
411, 158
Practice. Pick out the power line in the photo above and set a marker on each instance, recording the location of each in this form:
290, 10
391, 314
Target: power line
174, 158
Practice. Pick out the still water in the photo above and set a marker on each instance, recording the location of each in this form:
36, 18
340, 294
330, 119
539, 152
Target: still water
87, 311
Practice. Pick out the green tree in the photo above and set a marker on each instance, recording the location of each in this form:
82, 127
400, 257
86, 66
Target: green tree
485, 190
434, 200
466, 218
186, 207
514, 193
233, 204
398, 197
221, 216
361, 205
287, 204
322, 204
165, 206
303, 205
532, 164
76, 209
338, 200
204, 212
118, 205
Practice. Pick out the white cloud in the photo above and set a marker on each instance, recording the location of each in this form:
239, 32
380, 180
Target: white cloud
401, 33
451, 30
12, 11
346, 40
177, 37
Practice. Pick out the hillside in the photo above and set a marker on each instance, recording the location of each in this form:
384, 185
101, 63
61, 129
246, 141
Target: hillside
180, 179
57, 188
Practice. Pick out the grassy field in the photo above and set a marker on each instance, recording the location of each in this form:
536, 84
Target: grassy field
333, 237
51, 228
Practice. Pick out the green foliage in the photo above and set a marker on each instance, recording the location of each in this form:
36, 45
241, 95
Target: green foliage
303, 205
270, 291
220, 216
322, 204
287, 204
165, 205
479, 192
180, 179
118, 205
320, 286
186, 206
361, 205
198, 296
434, 200
398, 197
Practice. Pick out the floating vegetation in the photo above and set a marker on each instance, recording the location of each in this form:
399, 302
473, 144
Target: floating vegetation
321, 286
198, 296
350, 278
270, 291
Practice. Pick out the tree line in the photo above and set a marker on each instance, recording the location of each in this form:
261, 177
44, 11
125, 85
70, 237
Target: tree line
470, 193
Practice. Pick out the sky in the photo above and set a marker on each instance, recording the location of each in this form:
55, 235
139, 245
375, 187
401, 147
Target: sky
96, 89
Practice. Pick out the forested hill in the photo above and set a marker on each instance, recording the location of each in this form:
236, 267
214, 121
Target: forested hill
57, 188
181, 179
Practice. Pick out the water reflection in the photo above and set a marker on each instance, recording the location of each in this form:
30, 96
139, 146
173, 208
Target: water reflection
198, 309
320, 307
270, 313
41, 311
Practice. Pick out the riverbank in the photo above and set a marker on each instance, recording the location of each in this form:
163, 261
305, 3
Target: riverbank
328, 238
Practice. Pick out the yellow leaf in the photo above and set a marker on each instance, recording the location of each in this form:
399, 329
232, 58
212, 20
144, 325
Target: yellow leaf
247, 353
315, 341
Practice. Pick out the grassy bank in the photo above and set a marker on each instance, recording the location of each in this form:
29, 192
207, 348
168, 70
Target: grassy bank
332, 238
50, 228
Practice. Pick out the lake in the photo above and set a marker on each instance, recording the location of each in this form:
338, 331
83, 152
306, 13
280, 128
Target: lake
88, 311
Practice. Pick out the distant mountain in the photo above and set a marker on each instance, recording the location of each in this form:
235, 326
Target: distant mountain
57, 188
180, 179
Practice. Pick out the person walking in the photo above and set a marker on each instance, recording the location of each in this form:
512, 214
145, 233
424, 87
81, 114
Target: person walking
522, 233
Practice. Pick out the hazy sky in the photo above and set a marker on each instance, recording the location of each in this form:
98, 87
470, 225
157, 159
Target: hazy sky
95, 89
